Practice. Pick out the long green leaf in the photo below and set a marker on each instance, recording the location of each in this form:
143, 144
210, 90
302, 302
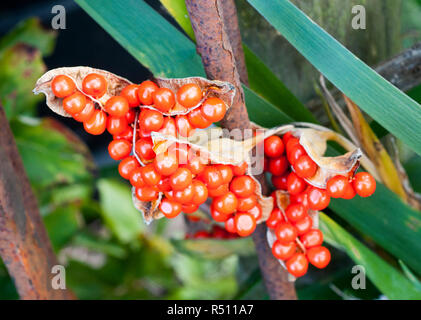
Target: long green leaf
413, 169
386, 278
389, 221
264, 82
389, 106
140, 30
261, 111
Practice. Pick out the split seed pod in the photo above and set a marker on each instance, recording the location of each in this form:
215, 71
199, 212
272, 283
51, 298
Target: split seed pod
115, 84
210, 88
219, 149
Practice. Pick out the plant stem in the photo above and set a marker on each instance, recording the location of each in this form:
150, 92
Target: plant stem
220, 62
232, 29
24, 244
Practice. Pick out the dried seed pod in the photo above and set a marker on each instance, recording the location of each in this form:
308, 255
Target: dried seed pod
149, 210
314, 142
221, 149
313, 138
115, 84
212, 144
210, 88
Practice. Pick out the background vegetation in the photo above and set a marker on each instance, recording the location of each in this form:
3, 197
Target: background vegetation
98, 235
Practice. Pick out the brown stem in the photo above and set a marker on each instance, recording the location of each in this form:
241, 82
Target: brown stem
24, 245
231, 27
218, 58
403, 70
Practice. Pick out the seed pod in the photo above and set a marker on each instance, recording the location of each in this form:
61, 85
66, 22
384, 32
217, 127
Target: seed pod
149, 210
313, 138
210, 88
115, 84
212, 144
314, 142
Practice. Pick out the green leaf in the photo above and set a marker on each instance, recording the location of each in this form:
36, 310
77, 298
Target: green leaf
413, 169
30, 32
264, 82
389, 221
118, 211
146, 36
178, 10
412, 277
20, 67
62, 224
389, 106
261, 111
386, 278
52, 154
215, 248
95, 243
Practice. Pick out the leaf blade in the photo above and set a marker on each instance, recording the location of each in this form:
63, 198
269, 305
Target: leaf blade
388, 280
124, 19
388, 220
348, 73
118, 211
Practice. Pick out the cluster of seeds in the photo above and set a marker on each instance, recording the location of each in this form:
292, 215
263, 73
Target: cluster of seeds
298, 242
184, 177
119, 111
188, 184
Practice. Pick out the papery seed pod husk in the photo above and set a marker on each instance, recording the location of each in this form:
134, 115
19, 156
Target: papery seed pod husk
313, 138
115, 84
223, 90
149, 209
210, 88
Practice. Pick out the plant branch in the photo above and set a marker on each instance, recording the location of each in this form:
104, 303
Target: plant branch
24, 245
403, 71
231, 27
218, 57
